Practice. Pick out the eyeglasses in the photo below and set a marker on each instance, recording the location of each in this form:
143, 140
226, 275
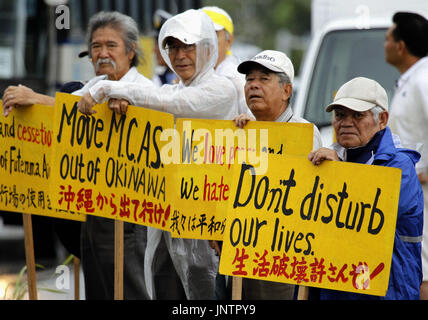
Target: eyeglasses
173, 48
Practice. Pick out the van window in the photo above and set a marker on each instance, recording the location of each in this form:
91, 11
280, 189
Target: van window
345, 55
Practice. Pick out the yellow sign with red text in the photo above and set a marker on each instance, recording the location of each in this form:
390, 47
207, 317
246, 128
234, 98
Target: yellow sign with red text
26, 144
208, 151
109, 165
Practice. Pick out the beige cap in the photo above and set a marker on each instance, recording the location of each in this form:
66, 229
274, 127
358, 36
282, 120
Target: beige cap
360, 94
276, 61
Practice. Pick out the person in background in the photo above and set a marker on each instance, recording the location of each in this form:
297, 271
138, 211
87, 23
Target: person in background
163, 74
360, 123
268, 88
227, 62
406, 48
188, 44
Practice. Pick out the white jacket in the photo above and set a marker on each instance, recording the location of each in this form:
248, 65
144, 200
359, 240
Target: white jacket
207, 96
229, 68
131, 76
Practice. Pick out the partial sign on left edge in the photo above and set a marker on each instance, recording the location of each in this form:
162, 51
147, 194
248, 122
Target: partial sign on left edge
26, 138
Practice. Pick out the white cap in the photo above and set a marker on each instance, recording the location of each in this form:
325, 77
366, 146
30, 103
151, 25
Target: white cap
185, 27
360, 94
273, 60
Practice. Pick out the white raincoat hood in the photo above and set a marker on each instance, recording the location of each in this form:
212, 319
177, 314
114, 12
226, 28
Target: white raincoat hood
192, 27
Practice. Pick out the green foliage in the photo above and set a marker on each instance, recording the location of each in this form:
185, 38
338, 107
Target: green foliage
20, 287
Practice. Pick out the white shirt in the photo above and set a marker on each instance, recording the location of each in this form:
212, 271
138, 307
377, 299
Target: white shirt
131, 76
288, 116
229, 68
209, 96
408, 117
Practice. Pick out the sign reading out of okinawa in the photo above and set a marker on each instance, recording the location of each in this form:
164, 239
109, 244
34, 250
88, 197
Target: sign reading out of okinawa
208, 151
330, 226
26, 144
110, 165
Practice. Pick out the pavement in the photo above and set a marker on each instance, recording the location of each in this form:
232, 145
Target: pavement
54, 282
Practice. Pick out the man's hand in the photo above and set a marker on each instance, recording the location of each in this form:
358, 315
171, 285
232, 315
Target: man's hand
15, 96
318, 156
423, 178
214, 245
242, 120
119, 106
86, 104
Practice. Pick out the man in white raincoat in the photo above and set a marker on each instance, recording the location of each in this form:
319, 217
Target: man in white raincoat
188, 44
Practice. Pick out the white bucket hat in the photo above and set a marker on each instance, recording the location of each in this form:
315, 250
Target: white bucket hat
276, 61
360, 94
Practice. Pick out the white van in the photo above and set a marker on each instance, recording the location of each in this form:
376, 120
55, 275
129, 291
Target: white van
347, 42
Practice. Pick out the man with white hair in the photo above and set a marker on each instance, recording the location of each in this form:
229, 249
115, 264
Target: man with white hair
188, 44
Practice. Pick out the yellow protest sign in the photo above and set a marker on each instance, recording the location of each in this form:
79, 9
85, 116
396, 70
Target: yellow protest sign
208, 151
330, 226
26, 143
109, 165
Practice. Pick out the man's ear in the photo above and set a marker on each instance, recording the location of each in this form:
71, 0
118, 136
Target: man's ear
401, 48
230, 41
383, 119
288, 89
131, 53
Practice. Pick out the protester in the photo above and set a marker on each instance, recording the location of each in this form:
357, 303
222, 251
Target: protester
360, 123
227, 62
406, 48
188, 44
268, 89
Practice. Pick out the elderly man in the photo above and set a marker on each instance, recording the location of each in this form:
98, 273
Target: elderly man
269, 77
406, 48
227, 63
113, 48
188, 44
360, 123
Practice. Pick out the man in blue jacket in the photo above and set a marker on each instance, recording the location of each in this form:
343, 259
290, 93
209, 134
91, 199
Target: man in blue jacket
360, 123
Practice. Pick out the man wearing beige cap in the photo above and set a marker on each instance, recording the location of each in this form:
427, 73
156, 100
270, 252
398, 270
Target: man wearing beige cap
268, 88
360, 123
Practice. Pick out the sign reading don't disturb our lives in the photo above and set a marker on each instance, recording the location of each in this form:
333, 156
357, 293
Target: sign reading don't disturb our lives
329, 226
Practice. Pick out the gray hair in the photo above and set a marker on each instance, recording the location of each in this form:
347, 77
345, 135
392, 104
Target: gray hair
376, 111
119, 22
283, 78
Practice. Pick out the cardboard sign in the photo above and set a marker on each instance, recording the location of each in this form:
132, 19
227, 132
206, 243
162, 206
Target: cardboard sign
109, 165
208, 151
330, 226
26, 143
